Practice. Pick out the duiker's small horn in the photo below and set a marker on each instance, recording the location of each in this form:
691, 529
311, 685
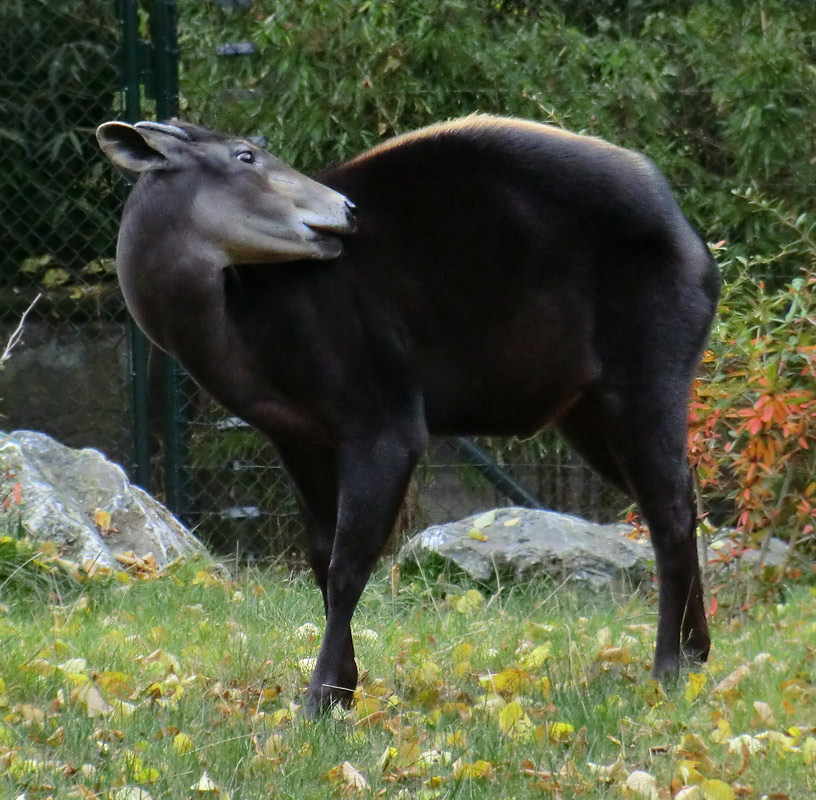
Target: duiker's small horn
163, 127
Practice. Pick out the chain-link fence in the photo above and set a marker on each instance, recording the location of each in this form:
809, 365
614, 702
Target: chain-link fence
58, 207
239, 498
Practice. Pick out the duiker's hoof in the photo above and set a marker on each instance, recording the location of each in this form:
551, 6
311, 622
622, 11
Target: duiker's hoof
321, 701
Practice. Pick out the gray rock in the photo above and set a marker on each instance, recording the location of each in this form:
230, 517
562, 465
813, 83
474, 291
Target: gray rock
521, 543
61, 490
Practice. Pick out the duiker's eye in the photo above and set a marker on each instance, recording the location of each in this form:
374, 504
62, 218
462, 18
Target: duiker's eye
245, 156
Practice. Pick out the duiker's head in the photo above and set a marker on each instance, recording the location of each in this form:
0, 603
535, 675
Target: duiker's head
244, 204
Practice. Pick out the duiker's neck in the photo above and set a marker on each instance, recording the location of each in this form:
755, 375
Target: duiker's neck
172, 281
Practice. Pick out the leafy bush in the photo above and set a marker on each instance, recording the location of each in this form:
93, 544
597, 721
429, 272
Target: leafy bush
754, 410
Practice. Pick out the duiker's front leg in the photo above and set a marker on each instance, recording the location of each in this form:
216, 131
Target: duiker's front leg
313, 471
373, 476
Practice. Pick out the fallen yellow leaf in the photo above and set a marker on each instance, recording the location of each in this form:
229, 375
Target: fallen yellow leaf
485, 520
387, 758
696, 681
102, 520
716, 790
74, 665
687, 772
478, 769
730, 683
348, 778
764, 712
204, 784
431, 758
554, 732
123, 710
513, 721
607, 772
272, 747
693, 748
641, 784
723, 731
281, 716
784, 743
809, 751
508, 681
468, 603
89, 696
744, 744
615, 655
126, 793
364, 707
407, 754
536, 657
461, 652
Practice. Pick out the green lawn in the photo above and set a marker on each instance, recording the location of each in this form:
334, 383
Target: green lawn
186, 685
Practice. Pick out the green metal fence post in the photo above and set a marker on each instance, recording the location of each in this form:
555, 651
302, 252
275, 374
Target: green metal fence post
501, 479
140, 385
165, 50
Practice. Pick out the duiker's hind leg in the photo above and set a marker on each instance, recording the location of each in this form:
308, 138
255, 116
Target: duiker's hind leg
645, 427
655, 316
585, 433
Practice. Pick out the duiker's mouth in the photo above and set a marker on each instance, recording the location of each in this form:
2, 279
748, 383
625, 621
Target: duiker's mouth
342, 221
322, 244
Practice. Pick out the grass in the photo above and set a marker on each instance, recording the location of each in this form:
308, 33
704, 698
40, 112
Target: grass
186, 685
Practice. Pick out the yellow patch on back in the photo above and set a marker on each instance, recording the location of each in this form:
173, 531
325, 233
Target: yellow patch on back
477, 122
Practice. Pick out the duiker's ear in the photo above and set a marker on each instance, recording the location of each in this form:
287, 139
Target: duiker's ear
135, 149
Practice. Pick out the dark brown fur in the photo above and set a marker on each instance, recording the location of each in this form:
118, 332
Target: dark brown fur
503, 276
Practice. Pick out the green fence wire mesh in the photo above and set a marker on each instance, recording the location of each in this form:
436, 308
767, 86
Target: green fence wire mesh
58, 209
